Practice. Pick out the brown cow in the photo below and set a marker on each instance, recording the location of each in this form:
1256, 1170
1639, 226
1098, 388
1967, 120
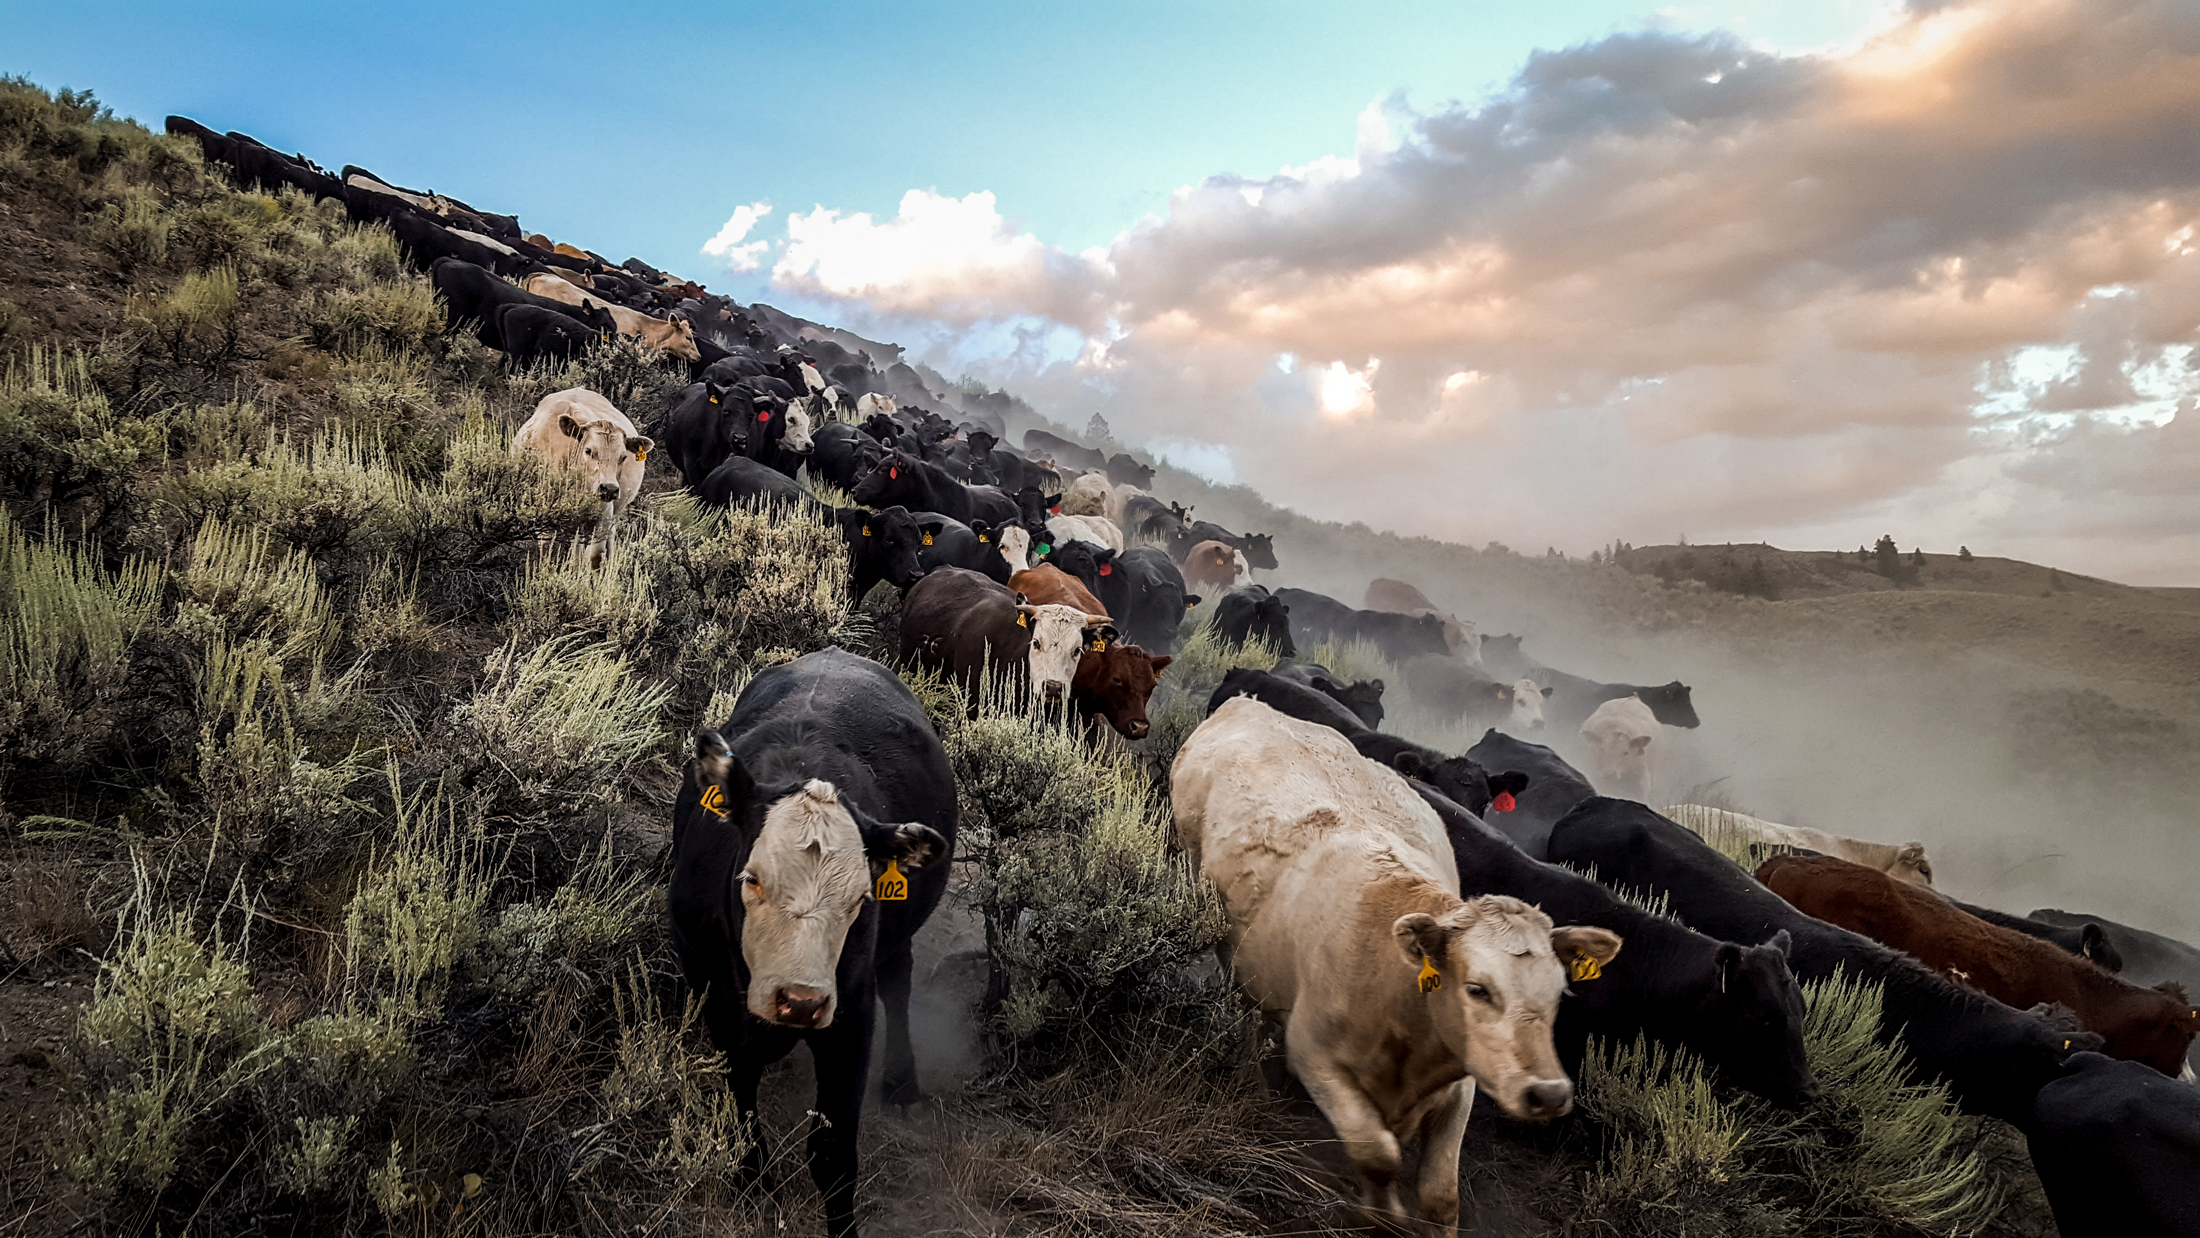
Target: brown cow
2154, 1026
1115, 682
1048, 585
1215, 567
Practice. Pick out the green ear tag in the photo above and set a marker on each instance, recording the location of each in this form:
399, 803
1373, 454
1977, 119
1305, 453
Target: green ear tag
1430, 979
892, 887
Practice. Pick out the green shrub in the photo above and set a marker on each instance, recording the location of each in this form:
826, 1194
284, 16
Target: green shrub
66, 631
553, 730
400, 315
63, 443
419, 911
198, 324
134, 230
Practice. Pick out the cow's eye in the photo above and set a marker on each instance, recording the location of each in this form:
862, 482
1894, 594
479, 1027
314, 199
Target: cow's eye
1478, 992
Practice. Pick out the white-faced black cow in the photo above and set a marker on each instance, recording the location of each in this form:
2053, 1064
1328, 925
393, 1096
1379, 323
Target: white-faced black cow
811, 838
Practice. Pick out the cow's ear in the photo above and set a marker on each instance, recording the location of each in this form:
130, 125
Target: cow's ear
1727, 959
910, 844
1912, 852
1420, 937
1511, 782
1191, 600
1781, 942
640, 445
1161, 663
1412, 765
1054, 500
720, 779
1638, 743
1548, 691
2093, 944
1377, 683
932, 528
570, 426
1574, 941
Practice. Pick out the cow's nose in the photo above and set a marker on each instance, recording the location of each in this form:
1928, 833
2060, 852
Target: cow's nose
1536, 725
1807, 1093
1052, 689
1139, 728
1548, 1098
607, 491
799, 1005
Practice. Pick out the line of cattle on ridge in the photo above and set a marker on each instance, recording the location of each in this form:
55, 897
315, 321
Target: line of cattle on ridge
1416, 919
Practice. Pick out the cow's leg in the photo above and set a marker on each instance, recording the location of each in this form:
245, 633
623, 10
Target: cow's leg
1442, 1131
901, 1060
1360, 1127
842, 1059
746, 1057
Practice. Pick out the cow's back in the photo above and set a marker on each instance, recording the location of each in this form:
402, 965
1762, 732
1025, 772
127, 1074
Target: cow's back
1395, 596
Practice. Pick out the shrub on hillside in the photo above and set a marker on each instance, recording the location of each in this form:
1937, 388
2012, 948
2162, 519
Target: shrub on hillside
67, 627
64, 444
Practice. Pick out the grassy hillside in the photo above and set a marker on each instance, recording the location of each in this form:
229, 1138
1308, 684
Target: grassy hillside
334, 786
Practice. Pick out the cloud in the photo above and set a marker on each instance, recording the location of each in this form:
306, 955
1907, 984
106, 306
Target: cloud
1943, 283
727, 245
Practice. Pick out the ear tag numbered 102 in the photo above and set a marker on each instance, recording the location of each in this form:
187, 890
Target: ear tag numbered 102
1585, 967
892, 887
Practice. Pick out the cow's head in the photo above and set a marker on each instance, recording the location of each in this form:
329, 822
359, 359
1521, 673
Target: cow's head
1491, 971
2162, 1035
1115, 681
680, 342
1671, 703
1462, 779
1033, 504
606, 449
982, 442
808, 860
1909, 864
1081, 559
883, 428
1272, 623
890, 481
1014, 543
1527, 707
716, 396
598, 319
889, 537
796, 437
1748, 1017
1260, 550
1504, 648
1364, 699
1125, 471
1060, 636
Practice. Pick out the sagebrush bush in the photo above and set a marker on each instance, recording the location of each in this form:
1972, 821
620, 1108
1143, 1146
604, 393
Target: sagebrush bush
399, 314
63, 443
66, 631
134, 230
198, 324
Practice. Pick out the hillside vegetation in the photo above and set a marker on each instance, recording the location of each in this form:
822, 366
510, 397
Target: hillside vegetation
334, 790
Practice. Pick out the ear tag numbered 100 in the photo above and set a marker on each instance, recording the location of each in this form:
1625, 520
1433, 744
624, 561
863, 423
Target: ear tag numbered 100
1585, 967
1430, 979
892, 887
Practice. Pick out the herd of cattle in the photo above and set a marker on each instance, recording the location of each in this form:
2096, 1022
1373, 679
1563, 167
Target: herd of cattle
1418, 920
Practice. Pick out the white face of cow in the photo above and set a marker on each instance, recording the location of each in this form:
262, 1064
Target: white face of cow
1016, 548
607, 454
797, 438
1058, 639
1241, 572
802, 888
1527, 707
1501, 968
811, 378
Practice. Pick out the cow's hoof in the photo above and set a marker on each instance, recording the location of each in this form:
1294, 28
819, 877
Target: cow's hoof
906, 1093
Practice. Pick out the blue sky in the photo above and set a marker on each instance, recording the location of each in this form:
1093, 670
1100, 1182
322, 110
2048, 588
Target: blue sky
636, 129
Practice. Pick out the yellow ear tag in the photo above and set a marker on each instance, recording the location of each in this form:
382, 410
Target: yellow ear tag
641, 457
714, 399
1099, 646
928, 539
713, 798
1585, 967
1430, 979
892, 887
983, 538
1022, 620
867, 530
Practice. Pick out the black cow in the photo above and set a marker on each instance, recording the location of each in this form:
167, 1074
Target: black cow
1259, 548
1452, 689
702, 429
1364, 698
531, 333
424, 241
824, 810
1062, 451
1573, 699
955, 544
1502, 657
1033, 505
471, 294
2087, 941
883, 545
740, 480
842, 454
1286, 696
2117, 1147
903, 480
1093, 566
1250, 611
1316, 618
1125, 471
1994, 1059
1737, 1007
1144, 594
1146, 518
1554, 789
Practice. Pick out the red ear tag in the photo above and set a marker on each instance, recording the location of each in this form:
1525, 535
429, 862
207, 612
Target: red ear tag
764, 416
1107, 569
1503, 802
893, 474
1055, 510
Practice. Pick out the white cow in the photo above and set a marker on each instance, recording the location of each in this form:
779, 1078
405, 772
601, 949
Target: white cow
1619, 735
1087, 496
1015, 548
673, 337
811, 378
1398, 996
1527, 706
1096, 530
1901, 861
1120, 497
872, 402
580, 431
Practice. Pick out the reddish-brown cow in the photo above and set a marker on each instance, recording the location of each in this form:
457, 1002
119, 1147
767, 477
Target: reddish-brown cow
1114, 682
2154, 1026
1048, 585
